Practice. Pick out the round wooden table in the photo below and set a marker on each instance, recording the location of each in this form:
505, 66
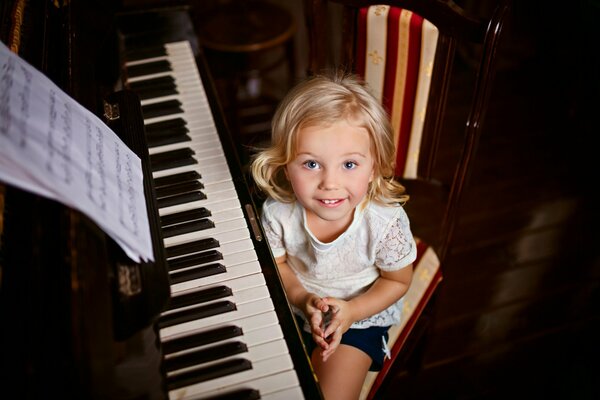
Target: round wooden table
250, 49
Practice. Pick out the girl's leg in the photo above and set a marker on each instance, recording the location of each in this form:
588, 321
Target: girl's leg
341, 377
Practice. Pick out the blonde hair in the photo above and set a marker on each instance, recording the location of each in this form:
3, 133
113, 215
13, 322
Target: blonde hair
322, 100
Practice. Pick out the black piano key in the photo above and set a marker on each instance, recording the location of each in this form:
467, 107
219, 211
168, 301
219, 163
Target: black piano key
178, 188
176, 178
142, 53
202, 356
153, 88
156, 141
207, 373
152, 93
180, 199
153, 67
194, 259
199, 296
194, 313
167, 132
239, 394
185, 216
196, 273
214, 335
192, 247
187, 227
160, 82
172, 159
162, 108
165, 125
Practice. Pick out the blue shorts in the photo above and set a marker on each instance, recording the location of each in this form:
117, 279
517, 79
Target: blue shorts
369, 340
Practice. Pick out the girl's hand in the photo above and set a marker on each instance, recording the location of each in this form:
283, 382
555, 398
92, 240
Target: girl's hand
338, 319
313, 306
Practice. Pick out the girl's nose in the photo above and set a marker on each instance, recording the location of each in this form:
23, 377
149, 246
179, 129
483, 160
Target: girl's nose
329, 180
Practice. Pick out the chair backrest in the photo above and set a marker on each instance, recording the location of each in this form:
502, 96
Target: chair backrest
405, 50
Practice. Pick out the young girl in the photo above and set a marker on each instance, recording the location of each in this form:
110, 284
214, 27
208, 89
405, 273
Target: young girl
336, 226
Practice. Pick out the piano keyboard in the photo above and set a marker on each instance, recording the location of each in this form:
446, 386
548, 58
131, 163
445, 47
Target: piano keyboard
220, 335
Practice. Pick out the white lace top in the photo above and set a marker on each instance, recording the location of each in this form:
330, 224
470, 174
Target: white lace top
379, 238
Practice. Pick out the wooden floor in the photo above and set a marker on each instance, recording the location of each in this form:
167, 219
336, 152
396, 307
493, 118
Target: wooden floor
518, 313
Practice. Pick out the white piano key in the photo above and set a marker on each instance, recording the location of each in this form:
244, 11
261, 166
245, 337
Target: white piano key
255, 354
237, 284
256, 337
171, 53
207, 155
253, 323
231, 260
219, 229
260, 369
233, 272
187, 93
213, 192
197, 143
218, 172
225, 215
214, 188
234, 253
292, 393
222, 237
243, 311
193, 121
180, 66
202, 125
194, 109
239, 297
231, 251
281, 386
209, 141
232, 248
187, 96
220, 201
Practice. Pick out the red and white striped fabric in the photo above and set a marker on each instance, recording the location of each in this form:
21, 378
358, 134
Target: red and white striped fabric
395, 55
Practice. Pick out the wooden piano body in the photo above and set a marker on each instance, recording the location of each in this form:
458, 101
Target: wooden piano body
69, 327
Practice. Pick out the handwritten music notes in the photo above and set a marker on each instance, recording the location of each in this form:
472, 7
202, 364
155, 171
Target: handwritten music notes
52, 146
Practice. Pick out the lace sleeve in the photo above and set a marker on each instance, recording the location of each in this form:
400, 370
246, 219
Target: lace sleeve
397, 249
272, 232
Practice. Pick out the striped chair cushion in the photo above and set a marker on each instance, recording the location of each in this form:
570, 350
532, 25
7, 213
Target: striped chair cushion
395, 55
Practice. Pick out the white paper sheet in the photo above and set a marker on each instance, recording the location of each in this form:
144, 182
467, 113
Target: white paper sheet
52, 146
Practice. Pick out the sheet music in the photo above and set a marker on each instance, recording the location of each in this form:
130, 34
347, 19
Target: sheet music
53, 146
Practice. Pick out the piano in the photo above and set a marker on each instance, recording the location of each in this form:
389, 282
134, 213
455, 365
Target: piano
208, 319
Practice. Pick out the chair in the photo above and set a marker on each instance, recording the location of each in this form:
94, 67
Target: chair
405, 50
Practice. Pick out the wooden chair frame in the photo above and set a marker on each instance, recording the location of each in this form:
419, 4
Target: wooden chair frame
455, 26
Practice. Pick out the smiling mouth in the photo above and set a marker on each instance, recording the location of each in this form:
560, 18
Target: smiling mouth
331, 202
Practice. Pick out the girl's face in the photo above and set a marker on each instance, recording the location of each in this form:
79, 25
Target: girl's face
331, 172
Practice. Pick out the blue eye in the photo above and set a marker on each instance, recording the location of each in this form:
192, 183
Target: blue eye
311, 164
350, 165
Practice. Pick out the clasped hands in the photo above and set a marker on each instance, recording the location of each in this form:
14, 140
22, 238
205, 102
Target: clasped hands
329, 319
